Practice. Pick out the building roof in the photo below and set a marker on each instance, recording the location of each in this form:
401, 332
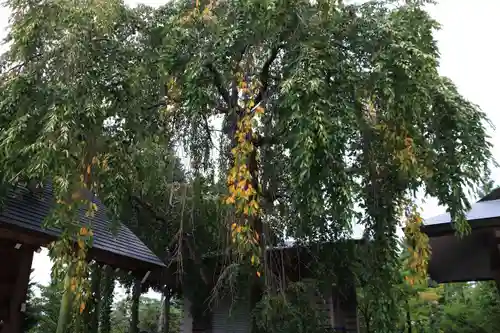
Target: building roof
481, 210
465, 258
484, 213
28, 211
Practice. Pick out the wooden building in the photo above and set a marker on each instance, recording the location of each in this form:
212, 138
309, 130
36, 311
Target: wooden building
22, 232
336, 300
474, 257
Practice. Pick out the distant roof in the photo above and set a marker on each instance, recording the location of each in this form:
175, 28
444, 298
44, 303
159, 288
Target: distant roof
468, 258
484, 213
493, 195
479, 211
27, 210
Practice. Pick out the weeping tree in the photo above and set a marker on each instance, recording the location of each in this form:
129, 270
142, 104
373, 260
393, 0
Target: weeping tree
321, 107
294, 112
77, 93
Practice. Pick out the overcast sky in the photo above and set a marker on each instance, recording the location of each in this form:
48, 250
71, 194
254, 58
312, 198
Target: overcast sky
468, 57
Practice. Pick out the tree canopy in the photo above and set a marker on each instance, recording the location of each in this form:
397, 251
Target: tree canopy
296, 118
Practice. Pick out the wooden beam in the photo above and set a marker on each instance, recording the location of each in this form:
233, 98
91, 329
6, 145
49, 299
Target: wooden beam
18, 235
145, 276
19, 292
165, 311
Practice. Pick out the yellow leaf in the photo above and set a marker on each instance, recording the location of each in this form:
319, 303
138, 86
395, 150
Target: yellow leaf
82, 307
258, 273
88, 169
81, 244
252, 260
83, 231
254, 204
233, 226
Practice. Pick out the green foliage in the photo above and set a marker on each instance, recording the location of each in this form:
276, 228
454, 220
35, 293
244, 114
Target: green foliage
33, 312
444, 308
49, 303
296, 310
356, 113
107, 293
149, 312
461, 308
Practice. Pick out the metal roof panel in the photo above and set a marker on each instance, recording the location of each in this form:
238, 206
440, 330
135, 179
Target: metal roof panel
481, 210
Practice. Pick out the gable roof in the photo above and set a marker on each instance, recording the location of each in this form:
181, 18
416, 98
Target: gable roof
28, 211
483, 213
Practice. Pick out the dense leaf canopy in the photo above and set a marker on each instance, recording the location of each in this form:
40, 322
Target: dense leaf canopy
344, 110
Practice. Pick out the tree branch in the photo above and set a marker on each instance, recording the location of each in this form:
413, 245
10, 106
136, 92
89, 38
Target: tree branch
265, 140
234, 92
150, 208
219, 84
157, 105
21, 65
207, 128
197, 260
264, 74
270, 197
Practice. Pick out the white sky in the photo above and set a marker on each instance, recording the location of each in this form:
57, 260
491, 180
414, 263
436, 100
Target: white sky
468, 57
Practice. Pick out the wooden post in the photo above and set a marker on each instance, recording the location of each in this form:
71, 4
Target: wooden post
16, 307
187, 320
134, 309
495, 258
166, 310
96, 298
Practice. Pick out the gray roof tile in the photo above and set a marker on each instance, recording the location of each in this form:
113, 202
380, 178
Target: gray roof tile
28, 210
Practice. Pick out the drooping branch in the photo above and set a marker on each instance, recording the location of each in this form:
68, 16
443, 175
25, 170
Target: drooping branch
207, 129
219, 84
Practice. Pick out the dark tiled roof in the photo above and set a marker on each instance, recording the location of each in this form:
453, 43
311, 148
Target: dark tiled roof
27, 210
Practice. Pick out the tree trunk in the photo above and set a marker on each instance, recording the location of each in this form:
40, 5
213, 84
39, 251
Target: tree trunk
408, 317
134, 309
257, 288
67, 298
